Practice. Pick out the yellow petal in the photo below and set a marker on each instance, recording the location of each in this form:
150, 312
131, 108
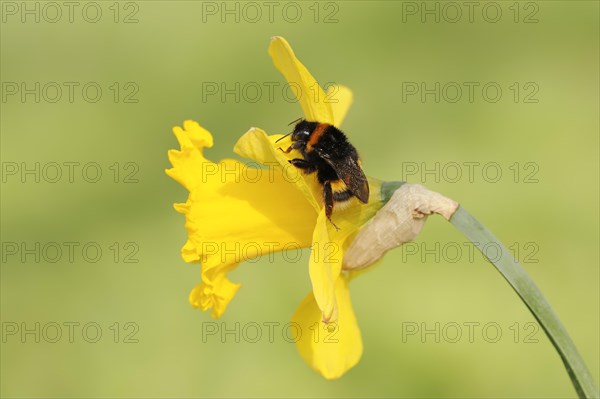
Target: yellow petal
340, 98
329, 244
309, 93
334, 348
324, 268
256, 145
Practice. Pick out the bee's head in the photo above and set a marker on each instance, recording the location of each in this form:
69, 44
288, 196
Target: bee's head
303, 130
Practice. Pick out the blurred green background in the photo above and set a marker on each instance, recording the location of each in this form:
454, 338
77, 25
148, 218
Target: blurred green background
547, 213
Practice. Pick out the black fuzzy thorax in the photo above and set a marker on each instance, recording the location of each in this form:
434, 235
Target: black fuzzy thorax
333, 143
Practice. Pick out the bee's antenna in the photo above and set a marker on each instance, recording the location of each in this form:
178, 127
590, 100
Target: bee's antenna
281, 138
294, 121
291, 123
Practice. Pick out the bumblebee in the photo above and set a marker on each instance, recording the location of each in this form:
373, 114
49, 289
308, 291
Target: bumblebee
326, 151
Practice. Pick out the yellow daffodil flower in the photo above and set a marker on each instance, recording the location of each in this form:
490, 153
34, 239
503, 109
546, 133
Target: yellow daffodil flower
236, 212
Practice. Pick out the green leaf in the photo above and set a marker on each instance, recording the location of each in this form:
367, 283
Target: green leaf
516, 276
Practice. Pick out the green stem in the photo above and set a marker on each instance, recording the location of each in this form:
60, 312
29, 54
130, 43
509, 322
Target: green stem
516, 276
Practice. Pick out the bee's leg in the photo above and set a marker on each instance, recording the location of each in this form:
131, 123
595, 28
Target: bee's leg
328, 200
303, 164
295, 146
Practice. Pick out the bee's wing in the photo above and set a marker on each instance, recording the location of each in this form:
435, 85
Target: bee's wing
351, 174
